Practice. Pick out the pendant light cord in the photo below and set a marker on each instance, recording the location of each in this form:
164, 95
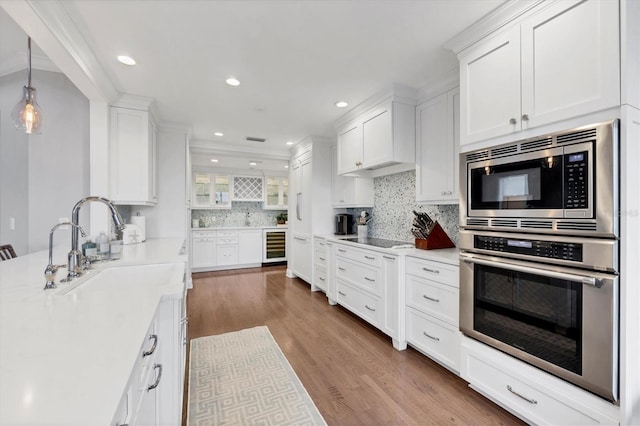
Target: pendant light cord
29, 61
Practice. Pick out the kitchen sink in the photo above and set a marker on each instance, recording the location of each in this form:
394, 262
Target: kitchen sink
158, 274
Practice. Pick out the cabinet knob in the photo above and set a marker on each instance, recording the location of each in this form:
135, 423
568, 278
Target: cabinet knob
513, 121
525, 117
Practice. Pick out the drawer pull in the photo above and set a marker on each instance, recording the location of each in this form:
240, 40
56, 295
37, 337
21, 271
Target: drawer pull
369, 257
153, 337
530, 401
389, 257
431, 298
300, 239
341, 293
330, 244
370, 279
158, 377
321, 258
321, 279
433, 271
369, 308
342, 250
437, 339
341, 268
321, 244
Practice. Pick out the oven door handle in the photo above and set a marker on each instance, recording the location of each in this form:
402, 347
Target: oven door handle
595, 282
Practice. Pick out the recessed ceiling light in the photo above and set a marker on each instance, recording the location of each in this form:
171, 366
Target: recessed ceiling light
126, 60
286, 166
289, 142
214, 160
233, 81
252, 163
218, 134
341, 104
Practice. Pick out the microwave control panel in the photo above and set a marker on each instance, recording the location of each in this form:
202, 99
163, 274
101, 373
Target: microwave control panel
576, 180
537, 248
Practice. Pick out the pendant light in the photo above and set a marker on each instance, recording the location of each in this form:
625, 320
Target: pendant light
26, 115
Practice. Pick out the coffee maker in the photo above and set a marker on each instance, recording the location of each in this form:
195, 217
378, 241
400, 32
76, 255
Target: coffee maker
344, 224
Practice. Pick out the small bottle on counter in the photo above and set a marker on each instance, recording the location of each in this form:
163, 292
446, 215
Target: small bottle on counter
103, 245
115, 249
89, 248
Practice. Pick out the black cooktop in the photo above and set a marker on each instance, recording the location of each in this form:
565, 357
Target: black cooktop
380, 242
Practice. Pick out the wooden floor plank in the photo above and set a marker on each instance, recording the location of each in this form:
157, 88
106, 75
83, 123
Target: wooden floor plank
349, 368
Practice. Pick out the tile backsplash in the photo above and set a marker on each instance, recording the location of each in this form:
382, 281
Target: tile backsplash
242, 213
394, 203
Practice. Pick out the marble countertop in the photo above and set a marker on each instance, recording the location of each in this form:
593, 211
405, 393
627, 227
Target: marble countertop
449, 256
65, 359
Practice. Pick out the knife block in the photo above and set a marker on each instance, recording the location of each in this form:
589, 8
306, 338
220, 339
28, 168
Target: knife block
438, 239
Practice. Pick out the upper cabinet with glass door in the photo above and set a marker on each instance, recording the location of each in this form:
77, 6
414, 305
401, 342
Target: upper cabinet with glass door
276, 193
211, 191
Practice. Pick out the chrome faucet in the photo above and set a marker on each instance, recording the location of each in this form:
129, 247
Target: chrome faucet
75, 255
51, 269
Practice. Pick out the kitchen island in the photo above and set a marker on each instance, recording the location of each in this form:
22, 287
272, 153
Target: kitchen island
67, 355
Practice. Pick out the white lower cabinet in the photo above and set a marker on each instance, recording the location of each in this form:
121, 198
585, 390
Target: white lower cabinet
301, 257
226, 248
249, 246
432, 310
367, 284
203, 249
531, 394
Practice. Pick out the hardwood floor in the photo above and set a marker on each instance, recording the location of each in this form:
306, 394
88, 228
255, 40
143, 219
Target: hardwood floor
349, 368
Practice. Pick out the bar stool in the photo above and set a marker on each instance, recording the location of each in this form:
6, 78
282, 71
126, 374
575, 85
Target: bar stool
7, 252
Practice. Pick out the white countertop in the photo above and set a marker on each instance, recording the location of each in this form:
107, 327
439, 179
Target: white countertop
66, 359
449, 256
226, 228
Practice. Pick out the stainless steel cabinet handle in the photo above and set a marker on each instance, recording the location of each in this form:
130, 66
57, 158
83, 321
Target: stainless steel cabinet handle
342, 250
341, 268
321, 279
184, 320
370, 279
321, 244
437, 339
443, 193
321, 258
369, 257
341, 293
431, 298
330, 244
433, 271
158, 377
369, 308
298, 205
513, 121
525, 117
300, 239
596, 282
389, 257
529, 400
153, 337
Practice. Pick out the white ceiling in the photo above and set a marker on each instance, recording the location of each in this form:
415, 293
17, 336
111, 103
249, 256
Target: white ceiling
294, 58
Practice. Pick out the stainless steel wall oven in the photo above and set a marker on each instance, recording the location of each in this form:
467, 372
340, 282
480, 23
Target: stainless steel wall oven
546, 295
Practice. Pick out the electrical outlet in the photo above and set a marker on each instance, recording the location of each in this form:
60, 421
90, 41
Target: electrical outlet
63, 219
12, 224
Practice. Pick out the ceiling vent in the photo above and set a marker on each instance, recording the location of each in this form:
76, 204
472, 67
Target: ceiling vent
254, 139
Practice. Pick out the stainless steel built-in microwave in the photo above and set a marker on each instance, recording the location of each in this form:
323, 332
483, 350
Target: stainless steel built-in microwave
566, 182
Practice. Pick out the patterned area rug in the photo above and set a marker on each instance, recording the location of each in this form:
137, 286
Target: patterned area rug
243, 378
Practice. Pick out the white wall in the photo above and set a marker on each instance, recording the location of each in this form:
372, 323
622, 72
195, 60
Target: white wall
14, 169
169, 217
53, 174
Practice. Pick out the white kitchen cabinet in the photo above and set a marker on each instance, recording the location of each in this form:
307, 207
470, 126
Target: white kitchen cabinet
133, 157
560, 61
226, 247
203, 249
432, 293
349, 191
310, 210
383, 136
437, 149
367, 284
248, 188
211, 191
250, 246
276, 193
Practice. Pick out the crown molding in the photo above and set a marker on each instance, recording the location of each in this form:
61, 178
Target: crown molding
51, 27
208, 147
508, 12
438, 87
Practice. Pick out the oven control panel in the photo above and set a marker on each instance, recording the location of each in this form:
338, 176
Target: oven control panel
576, 180
537, 248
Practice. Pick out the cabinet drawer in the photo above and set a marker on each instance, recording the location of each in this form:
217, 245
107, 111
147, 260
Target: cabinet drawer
435, 299
320, 257
320, 279
227, 240
366, 306
367, 257
364, 276
535, 405
203, 234
441, 272
320, 244
228, 233
437, 339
